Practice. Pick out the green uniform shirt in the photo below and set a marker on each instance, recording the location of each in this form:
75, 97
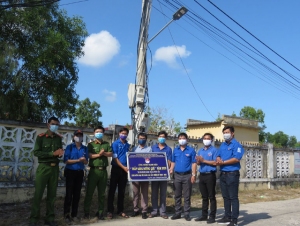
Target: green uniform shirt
45, 145
94, 148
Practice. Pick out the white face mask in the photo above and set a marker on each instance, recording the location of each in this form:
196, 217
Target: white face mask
227, 136
182, 142
78, 139
207, 142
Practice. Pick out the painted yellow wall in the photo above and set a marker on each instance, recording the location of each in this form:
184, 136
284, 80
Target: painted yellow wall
243, 134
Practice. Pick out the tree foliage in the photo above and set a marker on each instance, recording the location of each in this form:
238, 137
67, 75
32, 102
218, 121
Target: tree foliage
87, 114
162, 120
280, 139
38, 72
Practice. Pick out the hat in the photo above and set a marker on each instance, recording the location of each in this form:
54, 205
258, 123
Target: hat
78, 131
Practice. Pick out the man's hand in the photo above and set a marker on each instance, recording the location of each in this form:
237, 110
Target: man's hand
219, 161
59, 152
82, 159
200, 158
125, 169
193, 179
101, 152
170, 171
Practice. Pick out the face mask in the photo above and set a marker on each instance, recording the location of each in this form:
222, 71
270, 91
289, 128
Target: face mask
207, 142
142, 142
123, 137
99, 135
78, 139
182, 142
161, 140
53, 128
227, 136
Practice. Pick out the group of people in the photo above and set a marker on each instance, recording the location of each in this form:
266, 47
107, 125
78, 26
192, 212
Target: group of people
182, 163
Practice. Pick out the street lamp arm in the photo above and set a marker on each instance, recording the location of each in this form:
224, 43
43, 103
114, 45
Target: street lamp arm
160, 31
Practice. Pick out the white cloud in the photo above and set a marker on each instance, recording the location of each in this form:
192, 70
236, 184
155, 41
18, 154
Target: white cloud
110, 96
169, 54
99, 49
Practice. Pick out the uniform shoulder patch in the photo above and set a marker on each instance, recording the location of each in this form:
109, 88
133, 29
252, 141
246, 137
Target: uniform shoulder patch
42, 134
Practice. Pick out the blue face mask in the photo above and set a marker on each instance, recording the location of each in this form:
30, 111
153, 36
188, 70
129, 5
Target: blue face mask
53, 128
161, 140
142, 142
99, 135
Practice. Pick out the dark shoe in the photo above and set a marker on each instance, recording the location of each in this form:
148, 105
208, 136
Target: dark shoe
211, 220
144, 215
50, 223
100, 216
176, 216
32, 224
187, 218
135, 213
233, 223
224, 220
202, 218
86, 216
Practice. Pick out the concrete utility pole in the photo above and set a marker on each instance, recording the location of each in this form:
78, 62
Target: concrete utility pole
138, 92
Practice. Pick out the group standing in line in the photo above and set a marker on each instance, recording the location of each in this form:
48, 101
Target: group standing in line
182, 162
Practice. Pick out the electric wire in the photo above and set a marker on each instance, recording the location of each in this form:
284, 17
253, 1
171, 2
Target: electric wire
187, 16
253, 35
194, 87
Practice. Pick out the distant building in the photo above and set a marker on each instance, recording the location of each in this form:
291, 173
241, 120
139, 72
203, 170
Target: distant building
246, 130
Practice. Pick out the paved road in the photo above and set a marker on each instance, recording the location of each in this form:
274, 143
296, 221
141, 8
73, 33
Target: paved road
283, 213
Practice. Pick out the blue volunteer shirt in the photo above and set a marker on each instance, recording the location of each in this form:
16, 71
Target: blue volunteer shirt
183, 159
166, 148
72, 153
233, 149
209, 154
119, 151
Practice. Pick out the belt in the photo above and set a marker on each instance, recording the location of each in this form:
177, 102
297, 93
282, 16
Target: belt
229, 172
184, 173
98, 167
49, 163
210, 172
74, 169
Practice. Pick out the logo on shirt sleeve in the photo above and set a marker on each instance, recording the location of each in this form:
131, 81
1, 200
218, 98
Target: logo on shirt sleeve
239, 150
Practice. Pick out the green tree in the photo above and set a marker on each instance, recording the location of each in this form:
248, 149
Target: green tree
292, 141
251, 113
280, 138
38, 50
162, 120
87, 114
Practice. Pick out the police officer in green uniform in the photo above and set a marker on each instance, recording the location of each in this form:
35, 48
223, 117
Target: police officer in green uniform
48, 148
99, 151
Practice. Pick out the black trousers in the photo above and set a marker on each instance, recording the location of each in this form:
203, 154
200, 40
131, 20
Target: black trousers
207, 186
183, 187
74, 179
118, 178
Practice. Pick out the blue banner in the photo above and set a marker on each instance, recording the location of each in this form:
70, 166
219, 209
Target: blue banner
148, 166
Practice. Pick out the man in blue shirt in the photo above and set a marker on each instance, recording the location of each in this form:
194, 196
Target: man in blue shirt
229, 156
161, 146
76, 156
141, 186
206, 158
118, 176
185, 168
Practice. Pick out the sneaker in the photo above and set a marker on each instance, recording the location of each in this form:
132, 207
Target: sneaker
224, 220
135, 213
211, 220
176, 216
233, 223
100, 216
144, 215
202, 218
187, 217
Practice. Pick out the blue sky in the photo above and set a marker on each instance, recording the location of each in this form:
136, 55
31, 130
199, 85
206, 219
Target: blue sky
224, 82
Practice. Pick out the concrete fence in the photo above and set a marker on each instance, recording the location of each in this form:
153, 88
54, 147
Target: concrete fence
262, 167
